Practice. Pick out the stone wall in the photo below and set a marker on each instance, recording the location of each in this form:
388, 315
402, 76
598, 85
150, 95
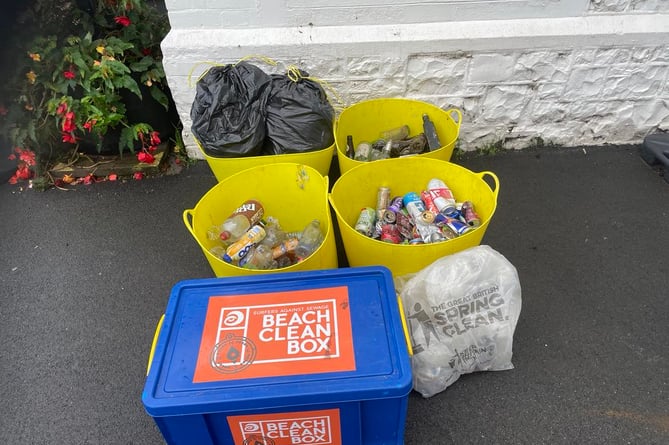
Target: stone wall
597, 76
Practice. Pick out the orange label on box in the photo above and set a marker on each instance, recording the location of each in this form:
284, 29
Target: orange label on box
306, 427
276, 334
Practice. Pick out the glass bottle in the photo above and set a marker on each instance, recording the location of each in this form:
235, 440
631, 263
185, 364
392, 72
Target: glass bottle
430, 133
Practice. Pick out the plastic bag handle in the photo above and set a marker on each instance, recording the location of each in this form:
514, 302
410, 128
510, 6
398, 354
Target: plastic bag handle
188, 217
153, 344
495, 179
458, 112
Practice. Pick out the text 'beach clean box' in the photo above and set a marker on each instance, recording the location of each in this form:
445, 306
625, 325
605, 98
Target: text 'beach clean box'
314, 357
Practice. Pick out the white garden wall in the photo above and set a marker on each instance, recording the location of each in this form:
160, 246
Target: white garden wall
570, 72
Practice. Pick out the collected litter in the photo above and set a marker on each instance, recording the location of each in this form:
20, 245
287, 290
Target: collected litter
431, 216
461, 313
241, 111
246, 239
395, 143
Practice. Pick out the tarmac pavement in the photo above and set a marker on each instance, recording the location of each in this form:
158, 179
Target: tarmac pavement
86, 274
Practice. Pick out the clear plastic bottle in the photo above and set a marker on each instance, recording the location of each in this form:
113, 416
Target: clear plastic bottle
259, 258
241, 247
241, 220
286, 247
310, 240
217, 251
274, 235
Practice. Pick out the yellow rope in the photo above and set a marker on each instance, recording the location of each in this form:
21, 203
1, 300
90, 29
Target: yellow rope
212, 64
295, 74
204, 62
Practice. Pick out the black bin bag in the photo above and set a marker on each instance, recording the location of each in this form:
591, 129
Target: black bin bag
298, 115
228, 113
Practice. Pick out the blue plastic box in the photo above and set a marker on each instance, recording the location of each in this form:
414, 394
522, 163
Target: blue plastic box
314, 357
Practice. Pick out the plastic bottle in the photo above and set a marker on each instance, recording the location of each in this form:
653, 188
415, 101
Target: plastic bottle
287, 247
217, 251
241, 220
442, 197
310, 240
260, 257
241, 247
273, 233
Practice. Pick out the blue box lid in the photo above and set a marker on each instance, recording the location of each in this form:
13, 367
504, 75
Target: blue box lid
278, 340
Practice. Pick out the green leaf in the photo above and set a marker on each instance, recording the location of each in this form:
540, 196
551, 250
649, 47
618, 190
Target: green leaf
117, 67
142, 65
128, 136
129, 83
31, 130
79, 62
159, 96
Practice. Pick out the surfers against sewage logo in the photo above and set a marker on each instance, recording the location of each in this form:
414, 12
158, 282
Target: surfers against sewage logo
276, 334
306, 427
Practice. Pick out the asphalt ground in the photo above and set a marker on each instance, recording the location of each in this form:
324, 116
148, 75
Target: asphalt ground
86, 274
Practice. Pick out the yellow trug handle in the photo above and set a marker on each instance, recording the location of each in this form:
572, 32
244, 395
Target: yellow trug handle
188, 217
458, 112
495, 180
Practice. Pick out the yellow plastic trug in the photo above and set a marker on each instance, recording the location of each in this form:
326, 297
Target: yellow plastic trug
358, 188
367, 119
224, 167
295, 194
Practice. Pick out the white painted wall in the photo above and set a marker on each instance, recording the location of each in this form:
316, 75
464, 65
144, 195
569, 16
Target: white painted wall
568, 71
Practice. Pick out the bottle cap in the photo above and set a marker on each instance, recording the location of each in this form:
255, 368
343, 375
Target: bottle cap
225, 235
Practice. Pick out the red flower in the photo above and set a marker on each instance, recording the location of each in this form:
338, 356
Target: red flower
62, 109
122, 20
11, 157
152, 149
88, 179
27, 156
145, 157
68, 123
89, 125
69, 74
138, 175
23, 172
155, 138
112, 176
68, 137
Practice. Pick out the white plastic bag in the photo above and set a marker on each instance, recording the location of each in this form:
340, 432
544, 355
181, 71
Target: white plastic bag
461, 313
